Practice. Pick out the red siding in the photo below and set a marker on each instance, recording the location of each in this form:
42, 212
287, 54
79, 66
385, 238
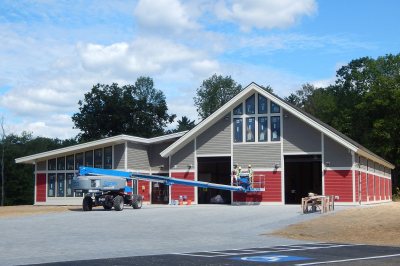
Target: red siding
357, 174
390, 189
382, 183
339, 183
370, 187
144, 189
363, 187
377, 191
180, 190
272, 193
40, 187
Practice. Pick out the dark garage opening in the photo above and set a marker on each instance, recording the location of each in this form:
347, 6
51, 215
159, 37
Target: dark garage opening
303, 174
214, 170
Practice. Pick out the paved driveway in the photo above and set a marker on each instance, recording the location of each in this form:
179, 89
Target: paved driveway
76, 235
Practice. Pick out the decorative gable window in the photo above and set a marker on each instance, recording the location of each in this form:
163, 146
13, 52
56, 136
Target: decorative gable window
238, 130
251, 105
238, 110
262, 104
275, 108
260, 121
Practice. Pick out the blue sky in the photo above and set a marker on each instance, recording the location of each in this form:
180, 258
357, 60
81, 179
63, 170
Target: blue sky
52, 52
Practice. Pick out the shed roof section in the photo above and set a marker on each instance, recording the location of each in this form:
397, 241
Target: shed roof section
97, 143
307, 118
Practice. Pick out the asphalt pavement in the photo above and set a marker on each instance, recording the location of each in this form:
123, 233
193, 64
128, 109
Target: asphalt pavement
153, 230
295, 255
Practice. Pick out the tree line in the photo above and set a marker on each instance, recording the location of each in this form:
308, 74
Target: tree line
363, 103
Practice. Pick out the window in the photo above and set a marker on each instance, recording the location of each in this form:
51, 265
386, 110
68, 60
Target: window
78, 160
52, 164
60, 185
89, 158
108, 157
70, 192
275, 108
250, 105
262, 104
238, 110
98, 158
238, 130
250, 129
51, 183
61, 163
70, 162
275, 128
263, 129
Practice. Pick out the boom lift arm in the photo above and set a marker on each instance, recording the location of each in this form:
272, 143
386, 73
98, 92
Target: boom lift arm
109, 189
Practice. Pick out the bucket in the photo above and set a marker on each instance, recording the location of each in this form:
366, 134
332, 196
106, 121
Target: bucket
189, 202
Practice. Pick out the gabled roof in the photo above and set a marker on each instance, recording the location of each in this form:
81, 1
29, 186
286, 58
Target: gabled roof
307, 118
98, 143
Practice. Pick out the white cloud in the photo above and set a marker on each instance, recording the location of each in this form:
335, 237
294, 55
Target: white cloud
163, 15
264, 14
144, 56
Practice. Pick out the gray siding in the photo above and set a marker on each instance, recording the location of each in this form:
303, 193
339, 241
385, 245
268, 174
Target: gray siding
258, 155
119, 156
138, 157
216, 139
41, 166
184, 157
336, 154
155, 158
298, 136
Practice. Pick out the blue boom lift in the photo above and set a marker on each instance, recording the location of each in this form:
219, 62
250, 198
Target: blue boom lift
108, 187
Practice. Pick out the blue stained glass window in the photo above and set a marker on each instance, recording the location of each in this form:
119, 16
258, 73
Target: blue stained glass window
61, 163
78, 160
250, 129
238, 110
262, 129
89, 158
275, 108
108, 157
70, 192
238, 130
275, 128
60, 185
51, 183
250, 105
262, 104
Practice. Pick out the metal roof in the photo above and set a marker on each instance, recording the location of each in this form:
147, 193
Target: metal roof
97, 143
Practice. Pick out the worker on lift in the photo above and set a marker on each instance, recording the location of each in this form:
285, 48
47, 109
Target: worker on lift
250, 170
236, 174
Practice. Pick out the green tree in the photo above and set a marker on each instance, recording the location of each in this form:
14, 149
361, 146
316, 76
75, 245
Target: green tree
185, 124
19, 179
364, 103
109, 110
213, 93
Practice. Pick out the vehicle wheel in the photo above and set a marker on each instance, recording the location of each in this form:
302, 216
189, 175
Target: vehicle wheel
106, 207
118, 203
138, 203
87, 204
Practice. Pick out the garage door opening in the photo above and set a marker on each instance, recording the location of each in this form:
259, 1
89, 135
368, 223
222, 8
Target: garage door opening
159, 192
214, 170
303, 174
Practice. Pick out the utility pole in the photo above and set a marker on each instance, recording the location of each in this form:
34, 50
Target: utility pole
3, 137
